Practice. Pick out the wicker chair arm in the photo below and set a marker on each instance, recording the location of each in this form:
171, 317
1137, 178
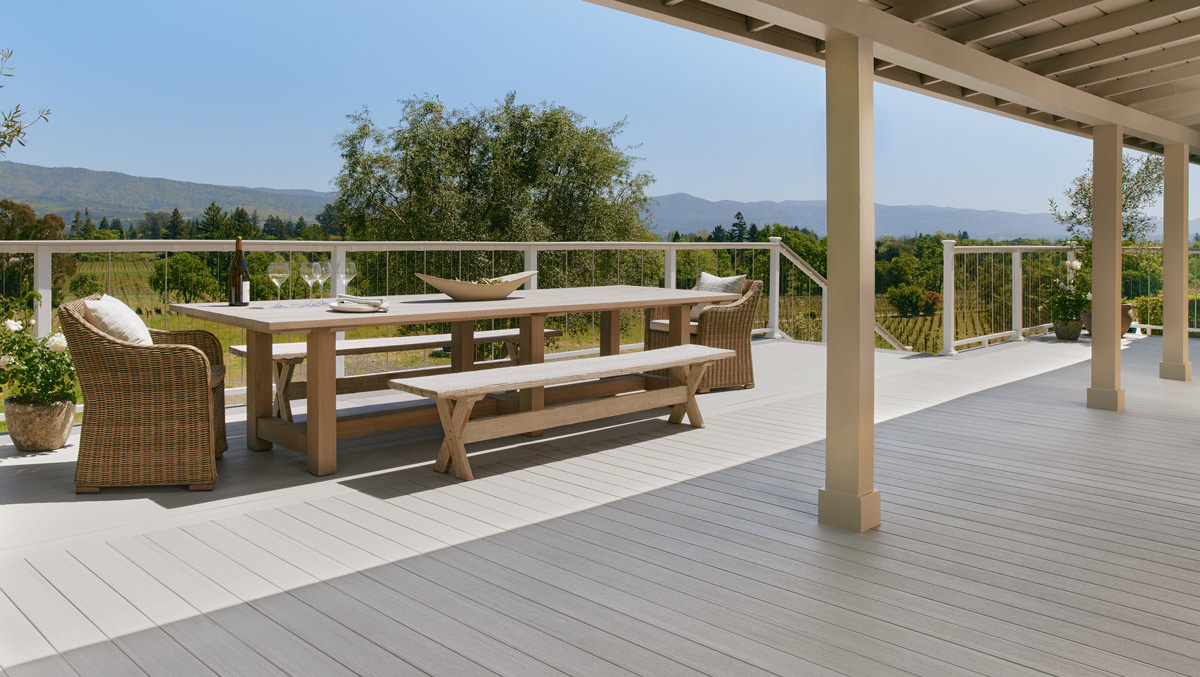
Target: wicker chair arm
741, 305
198, 338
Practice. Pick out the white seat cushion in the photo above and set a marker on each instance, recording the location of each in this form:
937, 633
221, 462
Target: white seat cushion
665, 325
728, 285
117, 320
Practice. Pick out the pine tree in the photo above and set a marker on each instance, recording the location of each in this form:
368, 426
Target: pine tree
176, 229
737, 231
213, 222
240, 224
118, 226
104, 223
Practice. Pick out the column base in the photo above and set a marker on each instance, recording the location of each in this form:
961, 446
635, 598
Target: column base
1175, 371
847, 511
1106, 398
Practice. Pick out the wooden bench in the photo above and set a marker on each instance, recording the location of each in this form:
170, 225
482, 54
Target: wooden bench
286, 356
456, 394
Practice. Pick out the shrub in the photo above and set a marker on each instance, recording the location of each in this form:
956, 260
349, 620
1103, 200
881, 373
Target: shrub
85, 284
907, 299
933, 302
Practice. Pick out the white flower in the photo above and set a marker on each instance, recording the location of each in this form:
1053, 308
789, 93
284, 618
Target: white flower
1076, 265
32, 322
1089, 296
6, 360
57, 343
13, 325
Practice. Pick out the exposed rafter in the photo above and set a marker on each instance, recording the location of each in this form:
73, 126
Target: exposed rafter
1183, 96
1157, 38
1133, 65
919, 10
1085, 30
1157, 77
755, 25
1188, 86
1013, 19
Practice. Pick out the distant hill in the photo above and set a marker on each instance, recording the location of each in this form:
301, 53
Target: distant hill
62, 190
689, 214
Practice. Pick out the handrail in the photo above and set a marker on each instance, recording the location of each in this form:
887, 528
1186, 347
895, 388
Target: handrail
892, 340
804, 266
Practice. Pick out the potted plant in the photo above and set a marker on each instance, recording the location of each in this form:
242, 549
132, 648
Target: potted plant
38, 380
1066, 300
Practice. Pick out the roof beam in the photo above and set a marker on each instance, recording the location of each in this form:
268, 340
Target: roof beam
919, 10
1155, 39
1183, 96
1156, 77
1132, 66
1013, 19
1091, 28
1182, 111
1159, 92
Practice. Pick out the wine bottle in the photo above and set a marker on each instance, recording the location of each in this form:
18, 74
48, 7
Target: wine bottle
239, 278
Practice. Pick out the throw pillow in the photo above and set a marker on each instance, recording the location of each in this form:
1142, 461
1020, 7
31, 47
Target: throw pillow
730, 285
117, 320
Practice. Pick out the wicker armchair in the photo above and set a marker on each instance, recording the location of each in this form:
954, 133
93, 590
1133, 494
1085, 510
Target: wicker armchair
153, 415
720, 326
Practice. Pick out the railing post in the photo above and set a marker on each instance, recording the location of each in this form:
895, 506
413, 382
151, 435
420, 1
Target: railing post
43, 276
948, 298
531, 264
1017, 296
338, 260
773, 297
824, 314
669, 273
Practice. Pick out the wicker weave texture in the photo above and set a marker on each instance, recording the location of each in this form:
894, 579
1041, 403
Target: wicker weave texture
720, 326
151, 415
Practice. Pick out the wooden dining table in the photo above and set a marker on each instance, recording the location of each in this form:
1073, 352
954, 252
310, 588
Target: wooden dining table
317, 436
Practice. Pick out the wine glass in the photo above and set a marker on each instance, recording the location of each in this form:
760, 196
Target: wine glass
346, 273
323, 271
309, 276
278, 272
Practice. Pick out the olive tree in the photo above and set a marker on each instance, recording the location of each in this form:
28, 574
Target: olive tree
12, 123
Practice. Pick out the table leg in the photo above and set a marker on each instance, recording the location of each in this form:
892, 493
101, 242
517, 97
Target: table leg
679, 330
322, 402
258, 386
462, 346
533, 351
610, 332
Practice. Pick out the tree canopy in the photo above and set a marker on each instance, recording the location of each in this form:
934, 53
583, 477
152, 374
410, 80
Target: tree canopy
509, 172
1141, 185
12, 123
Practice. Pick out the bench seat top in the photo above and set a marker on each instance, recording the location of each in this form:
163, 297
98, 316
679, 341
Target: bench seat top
468, 383
383, 344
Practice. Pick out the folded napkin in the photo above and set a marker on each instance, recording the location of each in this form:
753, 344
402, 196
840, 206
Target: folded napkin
377, 301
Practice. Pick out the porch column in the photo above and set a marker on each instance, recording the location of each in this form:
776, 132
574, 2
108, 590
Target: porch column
849, 499
1106, 391
1175, 365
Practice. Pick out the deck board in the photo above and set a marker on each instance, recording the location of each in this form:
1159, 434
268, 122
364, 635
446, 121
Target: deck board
1022, 534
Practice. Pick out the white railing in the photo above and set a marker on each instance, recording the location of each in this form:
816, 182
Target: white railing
1004, 294
43, 250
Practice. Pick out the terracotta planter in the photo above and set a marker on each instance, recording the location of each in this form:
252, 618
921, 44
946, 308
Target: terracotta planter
1126, 318
1068, 330
39, 427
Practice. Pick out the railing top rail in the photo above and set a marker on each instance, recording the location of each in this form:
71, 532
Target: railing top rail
804, 266
81, 246
984, 249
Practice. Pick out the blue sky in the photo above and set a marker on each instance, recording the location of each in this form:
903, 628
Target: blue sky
253, 93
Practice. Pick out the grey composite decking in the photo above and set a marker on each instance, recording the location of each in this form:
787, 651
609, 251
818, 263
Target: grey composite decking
1022, 534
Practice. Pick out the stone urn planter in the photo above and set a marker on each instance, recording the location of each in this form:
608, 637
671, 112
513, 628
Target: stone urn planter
1126, 318
39, 427
1068, 330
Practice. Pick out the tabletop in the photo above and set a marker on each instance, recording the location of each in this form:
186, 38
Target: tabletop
298, 317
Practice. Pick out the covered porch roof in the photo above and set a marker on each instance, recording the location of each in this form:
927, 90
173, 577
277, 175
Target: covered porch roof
1063, 64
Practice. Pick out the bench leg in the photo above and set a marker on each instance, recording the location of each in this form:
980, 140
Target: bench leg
513, 351
283, 372
689, 376
454, 417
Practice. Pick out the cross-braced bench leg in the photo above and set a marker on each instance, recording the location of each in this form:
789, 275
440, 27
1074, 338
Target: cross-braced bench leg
282, 373
689, 376
454, 415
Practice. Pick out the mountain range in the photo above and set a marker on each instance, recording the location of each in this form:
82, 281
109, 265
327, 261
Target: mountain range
63, 190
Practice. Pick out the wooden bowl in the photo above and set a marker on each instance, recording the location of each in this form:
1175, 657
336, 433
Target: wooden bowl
474, 291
